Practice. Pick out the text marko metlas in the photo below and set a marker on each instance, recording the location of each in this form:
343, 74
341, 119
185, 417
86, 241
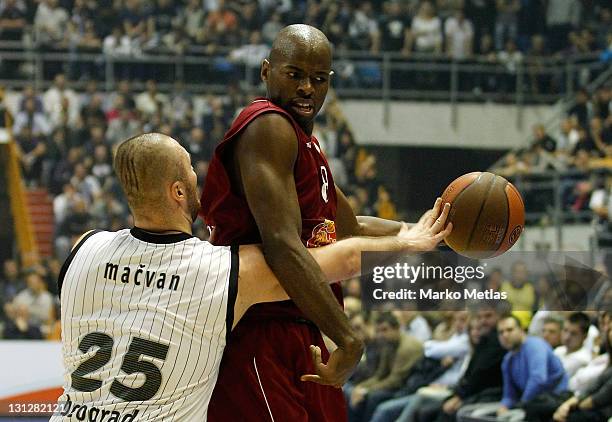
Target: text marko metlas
420, 284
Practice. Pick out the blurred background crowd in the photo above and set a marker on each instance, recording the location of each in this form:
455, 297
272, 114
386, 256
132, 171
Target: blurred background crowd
414, 361
457, 27
65, 142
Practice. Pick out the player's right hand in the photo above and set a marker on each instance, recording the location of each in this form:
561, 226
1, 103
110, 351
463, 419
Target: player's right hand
338, 369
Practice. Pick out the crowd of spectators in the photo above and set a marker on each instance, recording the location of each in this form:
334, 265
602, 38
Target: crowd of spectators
519, 358
237, 33
65, 141
457, 26
580, 151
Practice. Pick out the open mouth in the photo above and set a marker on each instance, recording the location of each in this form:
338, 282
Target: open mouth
303, 109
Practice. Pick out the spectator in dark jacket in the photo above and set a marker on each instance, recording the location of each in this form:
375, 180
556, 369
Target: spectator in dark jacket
482, 380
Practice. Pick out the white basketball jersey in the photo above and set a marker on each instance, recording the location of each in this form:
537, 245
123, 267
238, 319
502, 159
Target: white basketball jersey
144, 323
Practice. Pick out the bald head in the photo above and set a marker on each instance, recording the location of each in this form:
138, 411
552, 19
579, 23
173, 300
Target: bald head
301, 39
145, 165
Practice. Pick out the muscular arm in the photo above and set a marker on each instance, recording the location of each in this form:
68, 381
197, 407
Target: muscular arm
348, 224
265, 156
338, 261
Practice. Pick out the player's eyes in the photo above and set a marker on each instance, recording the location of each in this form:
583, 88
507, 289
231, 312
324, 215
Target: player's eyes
320, 79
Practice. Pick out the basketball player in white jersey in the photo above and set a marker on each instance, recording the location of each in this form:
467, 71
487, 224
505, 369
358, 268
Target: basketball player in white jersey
145, 312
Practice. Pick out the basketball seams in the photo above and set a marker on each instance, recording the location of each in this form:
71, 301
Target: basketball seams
482, 204
500, 242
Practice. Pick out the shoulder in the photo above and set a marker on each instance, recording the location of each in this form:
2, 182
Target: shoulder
270, 136
271, 122
536, 344
506, 359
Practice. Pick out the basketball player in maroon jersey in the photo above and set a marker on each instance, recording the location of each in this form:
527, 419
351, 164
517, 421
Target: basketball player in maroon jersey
269, 182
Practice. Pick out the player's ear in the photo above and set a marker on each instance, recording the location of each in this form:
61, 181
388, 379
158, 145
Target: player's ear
177, 190
265, 70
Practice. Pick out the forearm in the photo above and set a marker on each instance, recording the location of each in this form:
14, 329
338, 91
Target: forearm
342, 260
305, 283
374, 226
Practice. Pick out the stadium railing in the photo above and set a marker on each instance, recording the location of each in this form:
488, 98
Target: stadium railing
385, 76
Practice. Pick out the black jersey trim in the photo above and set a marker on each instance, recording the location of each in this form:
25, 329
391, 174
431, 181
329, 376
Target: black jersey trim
73, 252
232, 290
158, 238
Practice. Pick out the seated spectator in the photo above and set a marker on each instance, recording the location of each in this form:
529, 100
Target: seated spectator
85, 184
426, 31
123, 127
384, 206
12, 21
363, 29
92, 113
31, 151
151, 101
134, 19
77, 222
32, 310
511, 58
29, 93
414, 324
543, 140
572, 353
162, 19
191, 18
11, 283
585, 376
561, 17
407, 405
394, 27
200, 148
398, 355
251, 54
61, 103
373, 347
64, 203
222, 26
50, 22
101, 167
580, 109
584, 143
506, 22
106, 208
521, 293
511, 165
36, 121
592, 404
530, 368
459, 35
482, 380
602, 137
271, 28
551, 328
598, 203
118, 44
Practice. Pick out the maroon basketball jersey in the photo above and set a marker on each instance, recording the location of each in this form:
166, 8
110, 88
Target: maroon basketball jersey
228, 215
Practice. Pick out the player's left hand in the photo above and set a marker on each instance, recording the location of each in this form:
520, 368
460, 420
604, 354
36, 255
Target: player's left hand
430, 230
326, 374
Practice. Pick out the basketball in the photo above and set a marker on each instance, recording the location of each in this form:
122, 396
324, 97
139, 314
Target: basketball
487, 213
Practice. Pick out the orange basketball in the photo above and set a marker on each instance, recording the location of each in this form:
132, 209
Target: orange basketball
487, 213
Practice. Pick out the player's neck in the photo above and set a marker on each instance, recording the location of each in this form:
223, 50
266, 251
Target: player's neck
307, 128
162, 226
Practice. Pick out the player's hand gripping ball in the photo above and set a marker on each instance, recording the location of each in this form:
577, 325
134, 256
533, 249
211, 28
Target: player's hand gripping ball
487, 213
